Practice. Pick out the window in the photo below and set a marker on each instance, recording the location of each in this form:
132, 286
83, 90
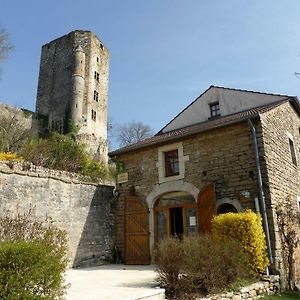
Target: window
293, 153
93, 115
97, 59
171, 163
96, 76
214, 109
96, 96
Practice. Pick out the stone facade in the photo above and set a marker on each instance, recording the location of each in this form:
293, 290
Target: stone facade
73, 87
212, 157
224, 156
281, 175
84, 210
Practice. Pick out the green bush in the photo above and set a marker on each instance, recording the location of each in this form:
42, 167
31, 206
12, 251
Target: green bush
32, 258
30, 270
58, 152
199, 265
62, 152
245, 228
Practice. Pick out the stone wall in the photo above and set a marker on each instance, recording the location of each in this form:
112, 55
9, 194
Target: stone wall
222, 156
84, 210
268, 285
281, 176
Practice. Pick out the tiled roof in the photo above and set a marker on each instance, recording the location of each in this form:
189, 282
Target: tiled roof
220, 88
204, 126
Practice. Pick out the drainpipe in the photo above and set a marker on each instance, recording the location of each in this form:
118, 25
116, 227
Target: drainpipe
262, 204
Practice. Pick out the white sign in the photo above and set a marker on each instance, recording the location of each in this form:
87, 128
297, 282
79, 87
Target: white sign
192, 221
123, 177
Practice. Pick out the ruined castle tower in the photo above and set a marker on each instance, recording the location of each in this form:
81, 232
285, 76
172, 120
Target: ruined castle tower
73, 88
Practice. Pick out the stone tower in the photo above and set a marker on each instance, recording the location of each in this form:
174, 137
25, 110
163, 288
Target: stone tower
73, 88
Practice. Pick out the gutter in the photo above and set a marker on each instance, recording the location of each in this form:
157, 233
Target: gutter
262, 203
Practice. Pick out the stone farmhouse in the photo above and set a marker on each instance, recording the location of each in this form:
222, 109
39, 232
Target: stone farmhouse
229, 150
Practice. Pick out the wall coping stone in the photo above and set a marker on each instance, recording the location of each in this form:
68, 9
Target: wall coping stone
268, 285
29, 169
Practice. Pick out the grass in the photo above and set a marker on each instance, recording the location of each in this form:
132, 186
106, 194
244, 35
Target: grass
284, 296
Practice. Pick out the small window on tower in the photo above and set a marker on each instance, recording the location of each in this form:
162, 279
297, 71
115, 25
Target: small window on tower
214, 109
93, 115
97, 59
96, 75
96, 96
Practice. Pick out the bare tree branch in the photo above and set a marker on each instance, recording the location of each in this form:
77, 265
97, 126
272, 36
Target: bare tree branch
288, 217
5, 46
132, 132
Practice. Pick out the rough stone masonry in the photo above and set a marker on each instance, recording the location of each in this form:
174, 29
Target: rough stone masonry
84, 210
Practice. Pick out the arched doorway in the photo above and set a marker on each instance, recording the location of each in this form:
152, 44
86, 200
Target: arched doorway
175, 214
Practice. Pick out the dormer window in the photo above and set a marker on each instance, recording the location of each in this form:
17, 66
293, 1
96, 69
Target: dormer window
214, 109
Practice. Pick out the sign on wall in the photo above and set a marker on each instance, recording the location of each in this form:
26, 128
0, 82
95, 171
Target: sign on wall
123, 177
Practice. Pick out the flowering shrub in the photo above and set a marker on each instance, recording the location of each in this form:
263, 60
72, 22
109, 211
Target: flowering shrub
246, 228
10, 156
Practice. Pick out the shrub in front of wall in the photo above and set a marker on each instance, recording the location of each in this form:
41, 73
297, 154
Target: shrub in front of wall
211, 266
32, 257
58, 152
169, 263
245, 228
30, 270
62, 152
93, 169
199, 265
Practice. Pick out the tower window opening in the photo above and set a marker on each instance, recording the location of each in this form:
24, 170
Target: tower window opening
93, 115
96, 96
96, 76
97, 59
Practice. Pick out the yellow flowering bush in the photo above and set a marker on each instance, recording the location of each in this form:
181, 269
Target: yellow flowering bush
10, 156
246, 228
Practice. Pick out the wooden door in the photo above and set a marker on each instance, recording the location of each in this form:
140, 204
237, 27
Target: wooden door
136, 232
206, 208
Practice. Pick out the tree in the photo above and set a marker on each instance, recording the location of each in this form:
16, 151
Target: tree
132, 132
5, 46
288, 217
14, 132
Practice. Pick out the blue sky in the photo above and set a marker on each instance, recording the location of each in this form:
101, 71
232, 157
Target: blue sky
163, 53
